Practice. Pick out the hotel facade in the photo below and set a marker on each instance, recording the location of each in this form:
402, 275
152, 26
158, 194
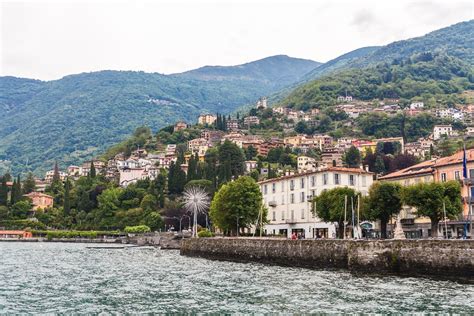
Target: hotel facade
289, 199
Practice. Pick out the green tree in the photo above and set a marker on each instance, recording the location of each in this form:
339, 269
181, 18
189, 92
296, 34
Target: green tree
16, 194
29, 185
229, 152
250, 152
352, 157
4, 213
207, 185
67, 197
237, 204
92, 172
330, 206
384, 201
109, 203
20, 210
432, 199
3, 191
379, 165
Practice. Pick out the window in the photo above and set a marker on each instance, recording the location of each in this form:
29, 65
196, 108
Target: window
292, 185
457, 175
292, 198
273, 187
274, 216
265, 189
443, 177
364, 181
282, 186
302, 197
325, 178
351, 179
336, 178
471, 173
302, 214
292, 214
282, 200
302, 183
313, 193
282, 215
313, 181
406, 182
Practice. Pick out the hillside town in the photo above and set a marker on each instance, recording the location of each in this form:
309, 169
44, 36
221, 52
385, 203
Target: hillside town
297, 167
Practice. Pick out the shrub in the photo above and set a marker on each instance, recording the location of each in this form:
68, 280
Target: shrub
205, 233
140, 229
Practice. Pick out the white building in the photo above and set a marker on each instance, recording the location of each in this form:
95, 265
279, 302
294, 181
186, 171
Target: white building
207, 119
417, 105
306, 163
262, 103
251, 120
442, 130
288, 199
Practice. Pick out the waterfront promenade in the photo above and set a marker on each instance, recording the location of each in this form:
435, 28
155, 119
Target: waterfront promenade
443, 258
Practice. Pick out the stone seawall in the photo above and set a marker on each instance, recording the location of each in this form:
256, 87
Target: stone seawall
445, 258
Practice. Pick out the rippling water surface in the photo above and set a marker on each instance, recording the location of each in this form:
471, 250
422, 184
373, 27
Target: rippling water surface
67, 278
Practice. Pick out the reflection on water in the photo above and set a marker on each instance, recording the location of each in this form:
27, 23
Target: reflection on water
66, 278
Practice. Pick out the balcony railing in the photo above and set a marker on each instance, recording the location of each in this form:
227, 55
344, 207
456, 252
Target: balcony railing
272, 203
468, 181
468, 199
291, 221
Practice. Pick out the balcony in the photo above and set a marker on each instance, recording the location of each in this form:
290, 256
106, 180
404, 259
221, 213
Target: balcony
469, 181
468, 199
290, 221
272, 203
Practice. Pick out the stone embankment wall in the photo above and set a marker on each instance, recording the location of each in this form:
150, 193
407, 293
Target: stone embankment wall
447, 258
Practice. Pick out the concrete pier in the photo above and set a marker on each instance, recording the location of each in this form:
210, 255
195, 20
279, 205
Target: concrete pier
443, 258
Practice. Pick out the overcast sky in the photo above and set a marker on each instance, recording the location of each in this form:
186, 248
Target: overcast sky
48, 40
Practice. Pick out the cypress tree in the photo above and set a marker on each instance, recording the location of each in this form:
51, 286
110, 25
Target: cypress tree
29, 185
171, 178
16, 191
67, 197
92, 172
3, 191
191, 169
56, 175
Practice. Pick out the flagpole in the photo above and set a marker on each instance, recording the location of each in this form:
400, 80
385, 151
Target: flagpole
467, 181
445, 224
345, 216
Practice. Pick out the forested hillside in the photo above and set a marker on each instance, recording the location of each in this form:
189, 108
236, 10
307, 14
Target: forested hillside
433, 77
78, 116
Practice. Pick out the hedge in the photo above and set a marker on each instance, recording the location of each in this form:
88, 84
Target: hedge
22, 224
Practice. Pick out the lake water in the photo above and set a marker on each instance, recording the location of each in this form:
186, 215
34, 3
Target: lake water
68, 278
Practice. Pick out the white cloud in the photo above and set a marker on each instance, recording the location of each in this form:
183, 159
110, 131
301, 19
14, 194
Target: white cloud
49, 40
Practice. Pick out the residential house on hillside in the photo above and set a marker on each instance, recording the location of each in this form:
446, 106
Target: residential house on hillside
417, 105
40, 200
346, 98
306, 164
288, 199
198, 145
48, 178
251, 120
213, 136
207, 119
442, 130
262, 103
332, 156
232, 124
180, 126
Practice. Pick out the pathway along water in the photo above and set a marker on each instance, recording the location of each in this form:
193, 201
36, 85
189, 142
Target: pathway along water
67, 278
